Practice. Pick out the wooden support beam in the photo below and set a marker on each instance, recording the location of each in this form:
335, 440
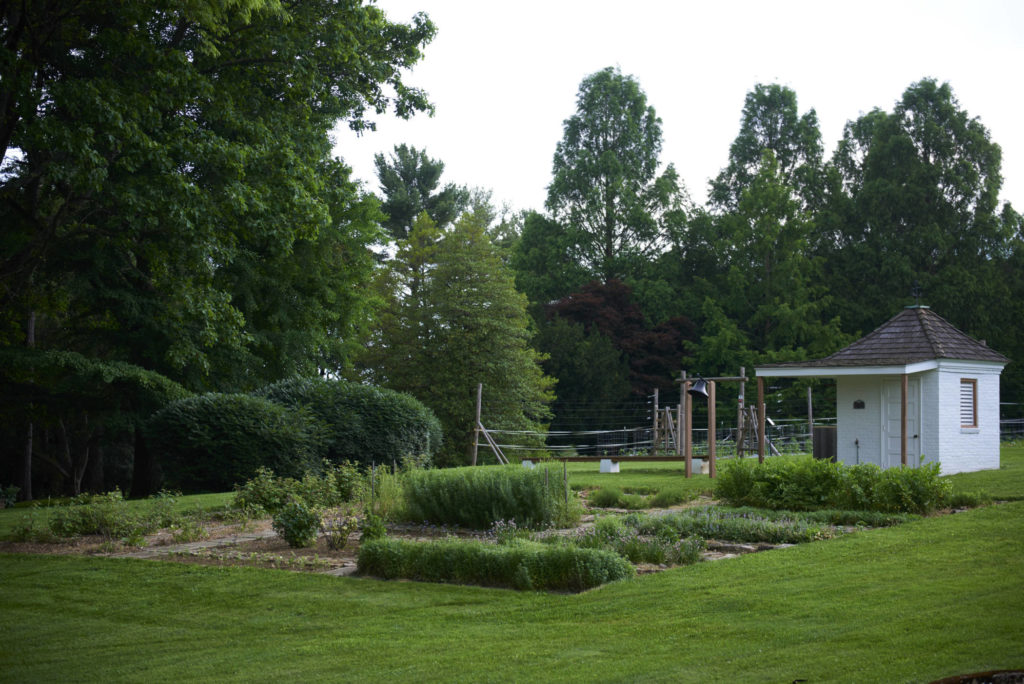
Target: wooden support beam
760, 420
688, 428
903, 420
476, 430
712, 436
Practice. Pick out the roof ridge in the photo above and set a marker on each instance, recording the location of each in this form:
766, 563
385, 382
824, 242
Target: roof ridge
929, 332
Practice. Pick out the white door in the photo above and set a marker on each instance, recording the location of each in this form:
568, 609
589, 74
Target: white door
891, 422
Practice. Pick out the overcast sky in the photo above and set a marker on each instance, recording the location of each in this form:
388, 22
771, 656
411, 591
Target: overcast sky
504, 77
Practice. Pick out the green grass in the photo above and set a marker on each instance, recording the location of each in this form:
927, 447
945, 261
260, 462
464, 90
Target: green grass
914, 603
11, 517
635, 478
1005, 484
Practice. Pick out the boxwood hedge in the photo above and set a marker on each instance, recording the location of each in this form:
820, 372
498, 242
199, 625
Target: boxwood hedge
518, 565
213, 441
365, 424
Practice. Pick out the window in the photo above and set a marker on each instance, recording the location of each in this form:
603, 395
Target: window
968, 403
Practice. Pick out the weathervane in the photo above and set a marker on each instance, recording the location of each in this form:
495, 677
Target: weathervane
915, 292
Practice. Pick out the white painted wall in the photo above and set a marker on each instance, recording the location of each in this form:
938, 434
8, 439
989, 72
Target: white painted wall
968, 449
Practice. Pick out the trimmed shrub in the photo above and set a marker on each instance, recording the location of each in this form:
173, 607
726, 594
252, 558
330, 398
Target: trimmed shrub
213, 441
520, 564
365, 424
477, 497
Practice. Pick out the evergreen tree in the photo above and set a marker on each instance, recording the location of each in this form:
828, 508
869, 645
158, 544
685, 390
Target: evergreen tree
466, 325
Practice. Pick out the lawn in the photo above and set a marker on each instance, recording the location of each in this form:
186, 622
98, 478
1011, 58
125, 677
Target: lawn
924, 600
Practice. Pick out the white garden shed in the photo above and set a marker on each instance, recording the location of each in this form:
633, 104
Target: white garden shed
916, 390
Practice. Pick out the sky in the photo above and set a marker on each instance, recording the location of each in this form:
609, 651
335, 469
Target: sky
504, 76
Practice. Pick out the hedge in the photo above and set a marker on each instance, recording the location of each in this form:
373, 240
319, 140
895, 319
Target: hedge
519, 565
365, 424
477, 497
213, 441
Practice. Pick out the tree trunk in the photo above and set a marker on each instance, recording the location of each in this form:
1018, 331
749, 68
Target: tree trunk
26, 461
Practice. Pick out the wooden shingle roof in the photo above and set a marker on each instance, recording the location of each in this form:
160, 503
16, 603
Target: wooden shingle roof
915, 334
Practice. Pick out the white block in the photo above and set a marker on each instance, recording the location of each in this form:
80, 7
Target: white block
609, 466
528, 464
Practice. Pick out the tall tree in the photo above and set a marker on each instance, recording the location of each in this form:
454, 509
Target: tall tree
409, 180
923, 186
773, 287
149, 144
771, 121
606, 188
467, 325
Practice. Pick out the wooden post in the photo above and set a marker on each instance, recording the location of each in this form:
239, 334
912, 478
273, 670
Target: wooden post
810, 416
657, 435
712, 436
476, 427
739, 414
680, 428
903, 421
688, 429
760, 420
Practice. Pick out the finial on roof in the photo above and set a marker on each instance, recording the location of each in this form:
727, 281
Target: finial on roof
915, 292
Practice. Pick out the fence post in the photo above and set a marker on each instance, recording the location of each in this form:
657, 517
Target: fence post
476, 426
712, 436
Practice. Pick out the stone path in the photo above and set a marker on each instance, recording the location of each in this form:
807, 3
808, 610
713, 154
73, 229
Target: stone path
163, 550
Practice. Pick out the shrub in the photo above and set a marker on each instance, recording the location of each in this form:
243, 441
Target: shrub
105, 514
519, 565
337, 529
297, 523
213, 441
337, 485
810, 484
372, 528
671, 497
365, 424
605, 497
476, 497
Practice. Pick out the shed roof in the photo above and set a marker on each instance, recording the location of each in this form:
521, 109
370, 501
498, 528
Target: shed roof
914, 334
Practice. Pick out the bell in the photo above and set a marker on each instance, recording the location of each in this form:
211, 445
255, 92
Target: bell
699, 389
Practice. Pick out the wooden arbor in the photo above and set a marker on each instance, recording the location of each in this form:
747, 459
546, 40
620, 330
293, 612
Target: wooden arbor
686, 420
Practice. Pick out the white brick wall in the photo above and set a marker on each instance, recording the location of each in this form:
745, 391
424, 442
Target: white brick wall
968, 449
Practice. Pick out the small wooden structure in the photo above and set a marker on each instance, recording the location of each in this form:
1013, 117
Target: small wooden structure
915, 390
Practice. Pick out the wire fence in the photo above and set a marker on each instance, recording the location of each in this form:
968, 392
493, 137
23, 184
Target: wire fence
787, 435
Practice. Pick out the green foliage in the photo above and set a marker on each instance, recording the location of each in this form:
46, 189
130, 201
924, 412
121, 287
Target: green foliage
337, 528
386, 494
478, 497
213, 441
338, 484
613, 497
409, 181
809, 484
169, 158
520, 565
8, 496
105, 514
456, 320
297, 523
726, 525
604, 187
612, 534
364, 424
372, 528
